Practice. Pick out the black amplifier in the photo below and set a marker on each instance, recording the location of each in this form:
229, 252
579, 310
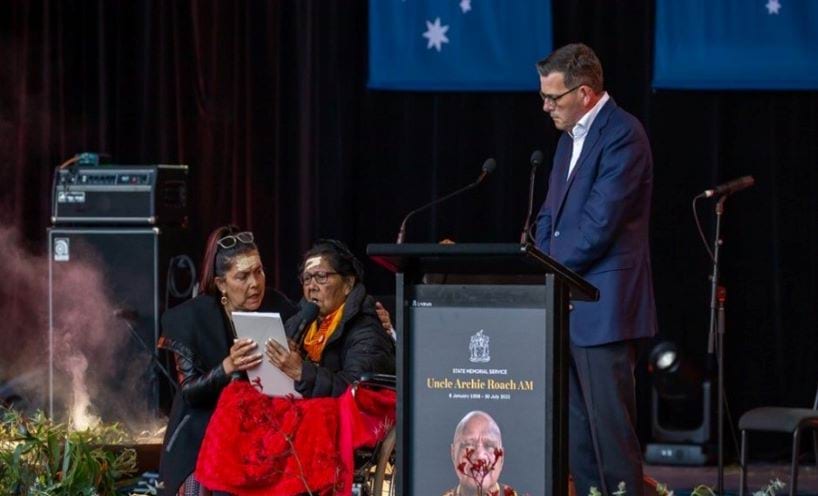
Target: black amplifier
120, 194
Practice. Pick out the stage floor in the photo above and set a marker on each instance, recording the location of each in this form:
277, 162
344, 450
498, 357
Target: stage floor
683, 479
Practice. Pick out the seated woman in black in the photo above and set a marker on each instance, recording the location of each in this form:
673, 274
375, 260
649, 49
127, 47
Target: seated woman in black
347, 340
200, 334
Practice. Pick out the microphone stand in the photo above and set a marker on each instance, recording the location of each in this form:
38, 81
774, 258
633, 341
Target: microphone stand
525, 236
402, 231
154, 360
715, 340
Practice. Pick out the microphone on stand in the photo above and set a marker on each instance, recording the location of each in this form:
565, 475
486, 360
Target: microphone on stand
535, 160
730, 187
488, 167
308, 312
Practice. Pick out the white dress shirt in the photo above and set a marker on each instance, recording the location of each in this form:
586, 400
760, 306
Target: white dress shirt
580, 130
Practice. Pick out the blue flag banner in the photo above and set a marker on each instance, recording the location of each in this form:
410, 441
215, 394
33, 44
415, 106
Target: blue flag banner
736, 44
457, 44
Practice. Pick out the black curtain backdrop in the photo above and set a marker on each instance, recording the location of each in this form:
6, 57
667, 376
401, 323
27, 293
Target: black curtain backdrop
267, 103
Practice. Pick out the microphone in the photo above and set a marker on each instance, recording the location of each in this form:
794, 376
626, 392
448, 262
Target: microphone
535, 160
488, 167
308, 312
730, 187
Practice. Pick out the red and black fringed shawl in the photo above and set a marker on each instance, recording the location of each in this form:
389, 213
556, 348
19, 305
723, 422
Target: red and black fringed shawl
257, 445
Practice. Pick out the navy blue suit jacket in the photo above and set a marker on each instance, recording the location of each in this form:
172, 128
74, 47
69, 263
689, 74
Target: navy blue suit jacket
596, 223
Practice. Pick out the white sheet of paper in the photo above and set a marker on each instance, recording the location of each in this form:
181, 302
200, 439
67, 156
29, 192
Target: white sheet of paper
260, 327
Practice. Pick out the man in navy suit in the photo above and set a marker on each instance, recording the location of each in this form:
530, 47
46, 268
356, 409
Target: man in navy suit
595, 221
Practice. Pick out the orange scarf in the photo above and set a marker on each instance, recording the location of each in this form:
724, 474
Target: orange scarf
319, 334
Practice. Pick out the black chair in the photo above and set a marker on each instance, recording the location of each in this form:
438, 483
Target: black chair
779, 419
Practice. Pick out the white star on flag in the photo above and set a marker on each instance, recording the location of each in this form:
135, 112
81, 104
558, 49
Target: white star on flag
436, 34
773, 6
465, 5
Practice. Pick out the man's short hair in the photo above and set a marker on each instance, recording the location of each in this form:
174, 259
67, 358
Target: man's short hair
578, 64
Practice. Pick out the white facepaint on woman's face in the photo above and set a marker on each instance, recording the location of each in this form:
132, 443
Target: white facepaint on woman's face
311, 263
244, 283
330, 295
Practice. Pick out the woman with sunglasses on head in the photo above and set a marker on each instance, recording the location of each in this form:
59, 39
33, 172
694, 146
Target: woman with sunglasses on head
201, 337
346, 340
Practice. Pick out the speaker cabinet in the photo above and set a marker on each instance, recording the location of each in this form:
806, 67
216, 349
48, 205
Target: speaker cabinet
106, 295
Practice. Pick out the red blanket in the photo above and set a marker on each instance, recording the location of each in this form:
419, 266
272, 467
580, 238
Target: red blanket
256, 445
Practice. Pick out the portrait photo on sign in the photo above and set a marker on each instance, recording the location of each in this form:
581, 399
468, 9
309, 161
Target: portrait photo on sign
478, 456
469, 371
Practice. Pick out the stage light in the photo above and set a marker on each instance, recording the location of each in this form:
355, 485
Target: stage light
665, 359
673, 376
680, 409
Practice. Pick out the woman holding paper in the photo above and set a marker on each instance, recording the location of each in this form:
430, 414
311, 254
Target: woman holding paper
347, 340
283, 446
200, 335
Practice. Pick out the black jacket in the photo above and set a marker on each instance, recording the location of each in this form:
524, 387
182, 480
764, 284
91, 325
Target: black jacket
199, 334
359, 345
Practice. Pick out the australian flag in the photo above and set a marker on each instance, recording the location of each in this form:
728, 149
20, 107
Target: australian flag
736, 44
457, 44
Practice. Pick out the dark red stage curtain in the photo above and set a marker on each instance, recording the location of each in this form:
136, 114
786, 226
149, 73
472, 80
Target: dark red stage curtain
220, 86
267, 103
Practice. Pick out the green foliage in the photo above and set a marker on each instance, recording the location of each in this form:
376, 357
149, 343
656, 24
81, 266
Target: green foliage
39, 457
772, 487
663, 490
701, 490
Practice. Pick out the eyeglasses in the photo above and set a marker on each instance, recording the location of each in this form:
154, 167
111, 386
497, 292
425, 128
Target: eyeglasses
551, 101
231, 240
320, 277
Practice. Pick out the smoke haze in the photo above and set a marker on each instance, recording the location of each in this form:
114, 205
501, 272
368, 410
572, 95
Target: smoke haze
98, 369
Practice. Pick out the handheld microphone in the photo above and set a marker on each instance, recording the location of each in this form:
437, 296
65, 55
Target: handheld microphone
730, 187
488, 167
535, 160
308, 312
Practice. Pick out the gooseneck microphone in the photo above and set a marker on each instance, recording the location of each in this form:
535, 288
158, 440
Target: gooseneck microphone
535, 160
308, 313
488, 167
730, 187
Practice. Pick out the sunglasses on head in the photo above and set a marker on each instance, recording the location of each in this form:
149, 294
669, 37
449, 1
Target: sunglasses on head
232, 240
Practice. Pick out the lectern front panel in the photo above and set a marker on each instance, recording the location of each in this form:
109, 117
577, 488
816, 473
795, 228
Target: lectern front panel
477, 348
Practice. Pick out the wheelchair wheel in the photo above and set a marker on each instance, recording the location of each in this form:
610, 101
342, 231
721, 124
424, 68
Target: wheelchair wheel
383, 482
